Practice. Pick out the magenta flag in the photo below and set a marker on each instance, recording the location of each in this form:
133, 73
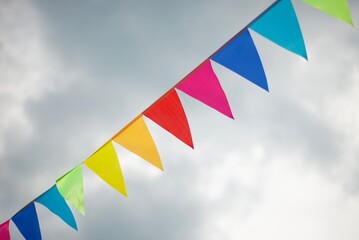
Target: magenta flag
4, 231
203, 85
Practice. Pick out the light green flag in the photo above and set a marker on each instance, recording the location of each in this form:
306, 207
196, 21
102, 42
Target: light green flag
71, 188
336, 8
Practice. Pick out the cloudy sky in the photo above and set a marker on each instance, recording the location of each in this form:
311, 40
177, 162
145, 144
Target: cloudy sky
73, 73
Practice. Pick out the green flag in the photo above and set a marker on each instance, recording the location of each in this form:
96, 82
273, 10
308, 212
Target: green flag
336, 8
71, 188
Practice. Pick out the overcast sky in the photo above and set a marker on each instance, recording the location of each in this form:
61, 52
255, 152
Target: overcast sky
73, 73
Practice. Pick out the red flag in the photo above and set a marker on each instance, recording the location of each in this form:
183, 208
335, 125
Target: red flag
170, 115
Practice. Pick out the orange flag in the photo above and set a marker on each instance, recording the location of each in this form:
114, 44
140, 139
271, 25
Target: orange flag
137, 139
105, 164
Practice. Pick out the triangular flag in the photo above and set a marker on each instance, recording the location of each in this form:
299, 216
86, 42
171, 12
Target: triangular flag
281, 26
4, 230
137, 139
105, 164
336, 8
53, 200
203, 85
169, 114
241, 56
71, 187
27, 222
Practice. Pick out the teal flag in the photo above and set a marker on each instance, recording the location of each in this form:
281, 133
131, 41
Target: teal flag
280, 25
53, 200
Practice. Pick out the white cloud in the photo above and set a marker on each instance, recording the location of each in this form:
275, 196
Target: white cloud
300, 203
295, 202
26, 69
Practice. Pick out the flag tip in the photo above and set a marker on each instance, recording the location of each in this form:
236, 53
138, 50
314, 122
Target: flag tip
125, 194
266, 88
305, 56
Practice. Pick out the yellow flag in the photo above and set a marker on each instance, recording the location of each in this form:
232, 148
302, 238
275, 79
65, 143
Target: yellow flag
105, 164
137, 139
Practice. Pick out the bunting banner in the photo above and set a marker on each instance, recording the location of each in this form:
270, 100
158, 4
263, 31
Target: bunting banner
105, 164
338, 8
71, 187
278, 23
137, 138
27, 222
5, 230
53, 201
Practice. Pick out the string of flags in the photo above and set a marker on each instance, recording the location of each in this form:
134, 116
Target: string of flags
278, 23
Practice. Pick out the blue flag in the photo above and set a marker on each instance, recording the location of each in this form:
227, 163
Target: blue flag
27, 222
240, 55
53, 200
280, 25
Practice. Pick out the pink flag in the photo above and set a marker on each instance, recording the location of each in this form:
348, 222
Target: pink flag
4, 231
203, 85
